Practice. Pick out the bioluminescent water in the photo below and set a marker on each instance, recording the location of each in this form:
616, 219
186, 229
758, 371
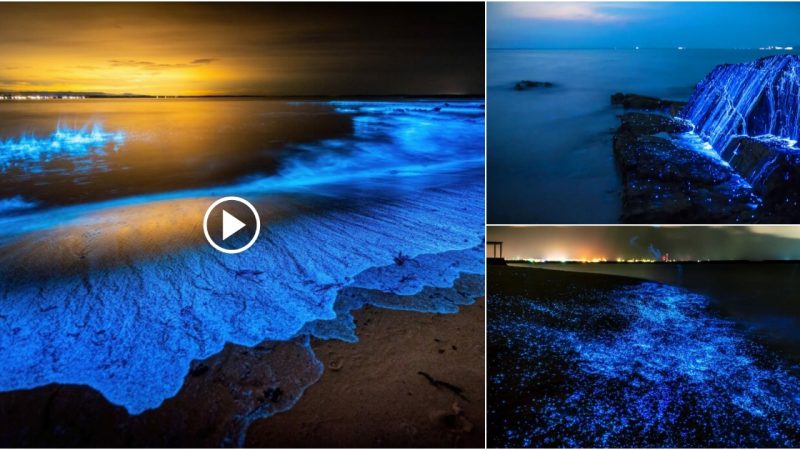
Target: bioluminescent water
29, 152
581, 360
106, 280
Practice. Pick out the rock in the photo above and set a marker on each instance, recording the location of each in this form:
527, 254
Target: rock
772, 167
661, 160
641, 123
755, 98
635, 101
527, 84
749, 115
666, 180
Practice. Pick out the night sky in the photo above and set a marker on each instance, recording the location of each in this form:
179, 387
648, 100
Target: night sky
648, 25
238, 49
689, 243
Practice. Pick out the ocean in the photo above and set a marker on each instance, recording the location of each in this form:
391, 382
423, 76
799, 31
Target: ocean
549, 150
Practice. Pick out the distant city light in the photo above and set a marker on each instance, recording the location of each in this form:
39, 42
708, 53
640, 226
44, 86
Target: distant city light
42, 97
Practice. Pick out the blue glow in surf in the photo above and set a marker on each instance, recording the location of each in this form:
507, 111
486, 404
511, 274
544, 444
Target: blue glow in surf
73, 142
648, 365
405, 183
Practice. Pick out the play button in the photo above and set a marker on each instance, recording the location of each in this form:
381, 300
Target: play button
231, 225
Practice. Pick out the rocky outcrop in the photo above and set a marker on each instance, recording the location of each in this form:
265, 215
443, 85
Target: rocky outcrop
667, 180
771, 166
641, 123
730, 156
524, 85
751, 99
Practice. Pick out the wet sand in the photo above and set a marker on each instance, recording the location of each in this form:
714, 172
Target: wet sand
372, 393
369, 394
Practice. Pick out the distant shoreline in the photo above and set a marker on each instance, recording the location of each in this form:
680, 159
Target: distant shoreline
730, 261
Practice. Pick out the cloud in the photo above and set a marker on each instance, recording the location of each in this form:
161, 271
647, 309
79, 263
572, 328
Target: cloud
790, 232
565, 12
150, 65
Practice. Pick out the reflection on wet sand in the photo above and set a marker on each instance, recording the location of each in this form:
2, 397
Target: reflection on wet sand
117, 236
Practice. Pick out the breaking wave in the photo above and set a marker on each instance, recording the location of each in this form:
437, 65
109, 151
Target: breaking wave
397, 210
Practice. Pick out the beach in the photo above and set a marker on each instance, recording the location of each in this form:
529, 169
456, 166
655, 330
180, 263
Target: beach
373, 395
369, 393
595, 360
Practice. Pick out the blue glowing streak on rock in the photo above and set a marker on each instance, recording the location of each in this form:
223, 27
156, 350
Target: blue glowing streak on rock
131, 331
753, 99
64, 141
648, 365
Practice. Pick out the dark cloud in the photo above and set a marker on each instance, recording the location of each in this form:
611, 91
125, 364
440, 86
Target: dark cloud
150, 65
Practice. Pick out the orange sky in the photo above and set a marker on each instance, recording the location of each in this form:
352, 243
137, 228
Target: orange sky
202, 49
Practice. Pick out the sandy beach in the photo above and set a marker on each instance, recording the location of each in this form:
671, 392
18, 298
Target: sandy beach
371, 393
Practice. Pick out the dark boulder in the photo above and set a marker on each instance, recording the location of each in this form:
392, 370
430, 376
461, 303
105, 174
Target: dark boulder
635, 101
667, 179
527, 84
665, 182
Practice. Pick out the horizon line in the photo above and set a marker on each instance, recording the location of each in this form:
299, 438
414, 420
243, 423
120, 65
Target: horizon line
652, 261
677, 47
99, 95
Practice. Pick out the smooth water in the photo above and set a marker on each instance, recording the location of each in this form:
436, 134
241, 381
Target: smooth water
549, 150
106, 279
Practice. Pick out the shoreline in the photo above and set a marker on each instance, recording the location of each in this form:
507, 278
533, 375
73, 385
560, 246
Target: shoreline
235, 386
591, 360
365, 399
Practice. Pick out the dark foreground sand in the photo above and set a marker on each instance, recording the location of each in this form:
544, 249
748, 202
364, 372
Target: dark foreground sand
371, 394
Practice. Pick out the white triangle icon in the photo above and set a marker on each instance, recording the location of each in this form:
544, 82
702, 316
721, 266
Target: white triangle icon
230, 225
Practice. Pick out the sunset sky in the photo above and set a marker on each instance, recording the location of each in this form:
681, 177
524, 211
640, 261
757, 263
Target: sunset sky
237, 49
646, 24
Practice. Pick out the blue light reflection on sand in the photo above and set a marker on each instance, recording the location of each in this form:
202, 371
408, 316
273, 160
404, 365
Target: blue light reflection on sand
131, 331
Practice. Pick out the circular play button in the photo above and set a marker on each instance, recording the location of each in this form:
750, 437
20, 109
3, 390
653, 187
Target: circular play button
231, 225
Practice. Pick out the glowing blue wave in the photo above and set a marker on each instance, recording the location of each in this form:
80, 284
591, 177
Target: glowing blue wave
74, 142
756, 98
411, 186
642, 366
396, 146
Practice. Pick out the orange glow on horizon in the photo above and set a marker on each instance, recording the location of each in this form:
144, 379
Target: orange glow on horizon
185, 49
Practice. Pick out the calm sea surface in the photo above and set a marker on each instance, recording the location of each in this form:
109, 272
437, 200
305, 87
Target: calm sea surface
549, 155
